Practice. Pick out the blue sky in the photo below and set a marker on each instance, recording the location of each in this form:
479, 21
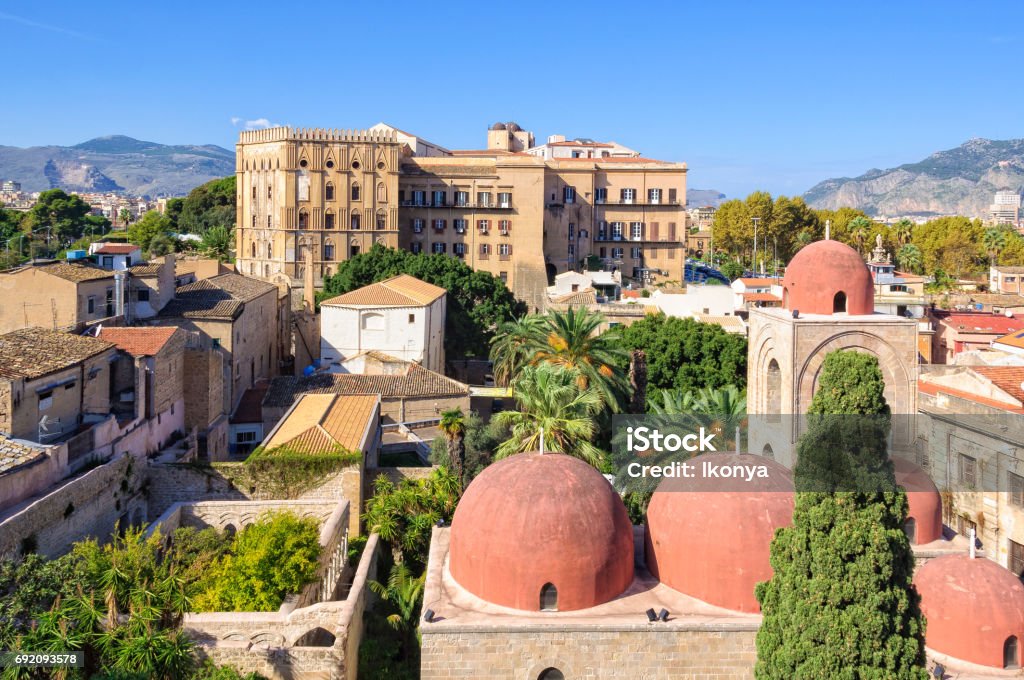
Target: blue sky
774, 96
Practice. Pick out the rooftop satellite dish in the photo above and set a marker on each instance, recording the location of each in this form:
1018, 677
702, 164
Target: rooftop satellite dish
1008, 313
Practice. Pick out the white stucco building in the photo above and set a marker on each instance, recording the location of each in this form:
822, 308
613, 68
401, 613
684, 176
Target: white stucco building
402, 316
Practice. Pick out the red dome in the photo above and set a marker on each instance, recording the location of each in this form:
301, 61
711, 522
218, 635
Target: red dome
924, 501
972, 608
534, 520
711, 540
827, 277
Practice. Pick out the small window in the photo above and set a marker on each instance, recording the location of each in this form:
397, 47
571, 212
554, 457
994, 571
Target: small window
329, 192
329, 220
1016, 558
355, 165
1016, 489
91, 305
143, 295
412, 318
303, 220
548, 598
570, 194
967, 471
355, 192
303, 163
355, 221
380, 165
45, 400
329, 164
839, 303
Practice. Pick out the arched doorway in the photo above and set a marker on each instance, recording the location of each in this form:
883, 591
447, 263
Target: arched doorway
551, 674
767, 451
551, 270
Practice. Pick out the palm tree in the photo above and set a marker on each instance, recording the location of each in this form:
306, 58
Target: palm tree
859, 228
571, 341
909, 258
124, 215
994, 240
217, 243
510, 346
552, 406
453, 426
904, 230
403, 592
720, 410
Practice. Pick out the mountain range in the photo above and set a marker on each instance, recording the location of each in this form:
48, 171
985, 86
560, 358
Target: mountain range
960, 181
116, 163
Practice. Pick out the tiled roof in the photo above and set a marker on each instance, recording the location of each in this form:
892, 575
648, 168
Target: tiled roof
400, 291
1006, 378
757, 283
152, 269
319, 422
761, 297
587, 296
75, 272
220, 297
35, 352
14, 453
1009, 270
116, 249
1015, 339
601, 144
980, 323
732, 323
140, 341
416, 382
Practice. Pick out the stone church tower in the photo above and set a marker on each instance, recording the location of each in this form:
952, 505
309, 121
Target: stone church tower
828, 304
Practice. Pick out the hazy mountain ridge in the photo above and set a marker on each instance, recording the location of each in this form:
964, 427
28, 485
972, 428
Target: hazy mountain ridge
116, 163
955, 181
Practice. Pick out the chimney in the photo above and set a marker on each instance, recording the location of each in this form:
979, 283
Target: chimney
828, 230
308, 295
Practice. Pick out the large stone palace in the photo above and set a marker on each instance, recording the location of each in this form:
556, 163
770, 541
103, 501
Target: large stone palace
519, 211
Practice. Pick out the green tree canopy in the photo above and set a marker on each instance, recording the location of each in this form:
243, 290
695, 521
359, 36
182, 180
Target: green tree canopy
687, 355
478, 302
207, 206
218, 242
152, 225
840, 603
64, 214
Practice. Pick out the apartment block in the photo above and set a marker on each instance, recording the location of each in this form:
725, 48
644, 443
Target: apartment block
507, 210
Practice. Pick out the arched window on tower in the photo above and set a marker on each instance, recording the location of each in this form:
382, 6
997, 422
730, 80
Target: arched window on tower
303, 219
839, 303
270, 250
1011, 653
548, 598
355, 192
551, 674
382, 193
254, 250
329, 192
773, 392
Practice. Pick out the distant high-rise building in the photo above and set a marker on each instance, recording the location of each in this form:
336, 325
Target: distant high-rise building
1005, 208
10, 185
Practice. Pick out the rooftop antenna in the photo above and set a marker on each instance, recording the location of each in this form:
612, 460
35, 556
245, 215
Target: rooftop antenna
828, 230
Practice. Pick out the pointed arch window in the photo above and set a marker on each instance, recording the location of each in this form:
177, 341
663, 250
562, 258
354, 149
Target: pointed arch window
329, 220
303, 219
355, 192
253, 249
1011, 652
382, 220
548, 598
329, 192
382, 193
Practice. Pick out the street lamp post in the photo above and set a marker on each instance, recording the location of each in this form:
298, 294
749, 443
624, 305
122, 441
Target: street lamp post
756, 221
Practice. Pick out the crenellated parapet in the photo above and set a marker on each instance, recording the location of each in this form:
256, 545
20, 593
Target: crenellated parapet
286, 134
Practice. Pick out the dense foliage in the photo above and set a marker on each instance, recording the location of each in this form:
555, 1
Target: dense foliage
480, 442
119, 603
285, 472
687, 355
152, 225
404, 514
268, 560
207, 206
840, 602
477, 301
68, 216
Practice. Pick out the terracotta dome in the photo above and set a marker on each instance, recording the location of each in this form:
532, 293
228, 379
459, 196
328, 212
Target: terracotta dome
924, 501
710, 539
973, 608
534, 521
826, 277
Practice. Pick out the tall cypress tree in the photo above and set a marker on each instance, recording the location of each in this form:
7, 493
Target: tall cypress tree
840, 603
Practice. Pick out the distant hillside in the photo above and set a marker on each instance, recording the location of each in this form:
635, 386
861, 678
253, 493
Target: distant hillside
116, 163
697, 198
958, 181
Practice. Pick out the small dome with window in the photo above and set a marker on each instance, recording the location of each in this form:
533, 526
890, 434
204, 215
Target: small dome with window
974, 609
924, 515
542, 532
828, 277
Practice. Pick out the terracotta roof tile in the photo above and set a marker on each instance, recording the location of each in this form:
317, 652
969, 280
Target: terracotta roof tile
116, 249
1006, 378
74, 272
35, 352
587, 296
14, 453
152, 269
761, 297
319, 422
250, 407
219, 297
140, 341
417, 381
400, 291
980, 323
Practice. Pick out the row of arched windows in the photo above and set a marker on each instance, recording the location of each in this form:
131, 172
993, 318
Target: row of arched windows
355, 220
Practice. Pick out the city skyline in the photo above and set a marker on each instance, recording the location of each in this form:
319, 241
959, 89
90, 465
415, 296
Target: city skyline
859, 88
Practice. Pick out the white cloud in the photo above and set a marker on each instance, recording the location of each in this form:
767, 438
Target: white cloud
255, 124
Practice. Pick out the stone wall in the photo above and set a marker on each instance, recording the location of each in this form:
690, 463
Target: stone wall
88, 505
297, 644
642, 651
